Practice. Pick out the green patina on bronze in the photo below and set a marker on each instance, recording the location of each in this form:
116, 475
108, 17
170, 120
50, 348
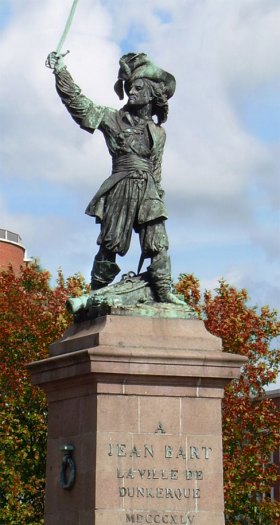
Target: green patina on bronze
133, 296
131, 198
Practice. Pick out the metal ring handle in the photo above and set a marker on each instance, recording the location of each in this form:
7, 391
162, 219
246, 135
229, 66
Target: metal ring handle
67, 473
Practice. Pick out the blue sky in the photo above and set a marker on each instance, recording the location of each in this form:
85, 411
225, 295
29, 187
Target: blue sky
221, 162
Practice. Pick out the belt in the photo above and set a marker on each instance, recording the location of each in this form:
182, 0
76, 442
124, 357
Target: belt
136, 167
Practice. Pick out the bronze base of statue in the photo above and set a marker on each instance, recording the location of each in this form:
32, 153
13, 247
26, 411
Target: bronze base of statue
133, 295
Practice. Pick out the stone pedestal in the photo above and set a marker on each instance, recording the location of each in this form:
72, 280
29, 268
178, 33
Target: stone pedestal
140, 401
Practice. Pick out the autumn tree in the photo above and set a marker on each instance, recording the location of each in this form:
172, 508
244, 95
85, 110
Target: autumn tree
250, 419
32, 316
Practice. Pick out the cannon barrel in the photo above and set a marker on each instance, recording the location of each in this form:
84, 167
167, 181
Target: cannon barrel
74, 304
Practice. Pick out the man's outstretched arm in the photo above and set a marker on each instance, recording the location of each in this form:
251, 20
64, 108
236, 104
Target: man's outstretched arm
87, 114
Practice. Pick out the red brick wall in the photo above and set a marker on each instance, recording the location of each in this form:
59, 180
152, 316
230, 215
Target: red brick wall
11, 254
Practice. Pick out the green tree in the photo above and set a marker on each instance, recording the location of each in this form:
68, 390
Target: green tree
250, 419
32, 316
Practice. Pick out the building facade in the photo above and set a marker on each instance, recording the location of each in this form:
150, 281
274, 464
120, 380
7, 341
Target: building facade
12, 252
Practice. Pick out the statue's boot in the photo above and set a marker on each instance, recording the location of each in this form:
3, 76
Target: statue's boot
160, 277
103, 273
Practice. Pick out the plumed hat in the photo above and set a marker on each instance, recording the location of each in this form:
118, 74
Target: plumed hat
138, 65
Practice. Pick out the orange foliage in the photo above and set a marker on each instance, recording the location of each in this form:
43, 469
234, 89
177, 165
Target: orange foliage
32, 316
250, 419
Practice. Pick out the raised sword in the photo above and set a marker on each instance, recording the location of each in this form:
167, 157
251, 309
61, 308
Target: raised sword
67, 27
65, 31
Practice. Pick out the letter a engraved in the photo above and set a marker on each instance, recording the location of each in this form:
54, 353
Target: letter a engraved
160, 429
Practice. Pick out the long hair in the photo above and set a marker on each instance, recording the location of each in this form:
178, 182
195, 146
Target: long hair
160, 101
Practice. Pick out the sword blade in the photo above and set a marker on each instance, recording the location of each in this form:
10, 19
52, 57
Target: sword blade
67, 27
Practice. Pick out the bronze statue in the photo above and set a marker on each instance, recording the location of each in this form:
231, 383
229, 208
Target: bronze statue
132, 197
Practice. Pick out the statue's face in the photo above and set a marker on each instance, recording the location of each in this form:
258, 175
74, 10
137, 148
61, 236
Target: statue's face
139, 93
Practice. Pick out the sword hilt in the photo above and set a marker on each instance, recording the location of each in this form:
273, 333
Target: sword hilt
58, 55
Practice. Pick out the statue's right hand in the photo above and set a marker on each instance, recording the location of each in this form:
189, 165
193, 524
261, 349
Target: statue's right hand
54, 61
51, 60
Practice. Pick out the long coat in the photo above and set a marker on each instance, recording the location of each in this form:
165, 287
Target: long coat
135, 145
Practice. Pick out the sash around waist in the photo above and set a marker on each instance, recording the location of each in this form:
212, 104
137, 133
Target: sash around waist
130, 163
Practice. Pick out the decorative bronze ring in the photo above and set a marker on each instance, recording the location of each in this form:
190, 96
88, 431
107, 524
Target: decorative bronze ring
68, 470
128, 277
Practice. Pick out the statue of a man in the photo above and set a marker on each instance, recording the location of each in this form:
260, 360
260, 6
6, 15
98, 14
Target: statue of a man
132, 197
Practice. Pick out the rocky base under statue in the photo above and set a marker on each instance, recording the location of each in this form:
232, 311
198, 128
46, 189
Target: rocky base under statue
133, 295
